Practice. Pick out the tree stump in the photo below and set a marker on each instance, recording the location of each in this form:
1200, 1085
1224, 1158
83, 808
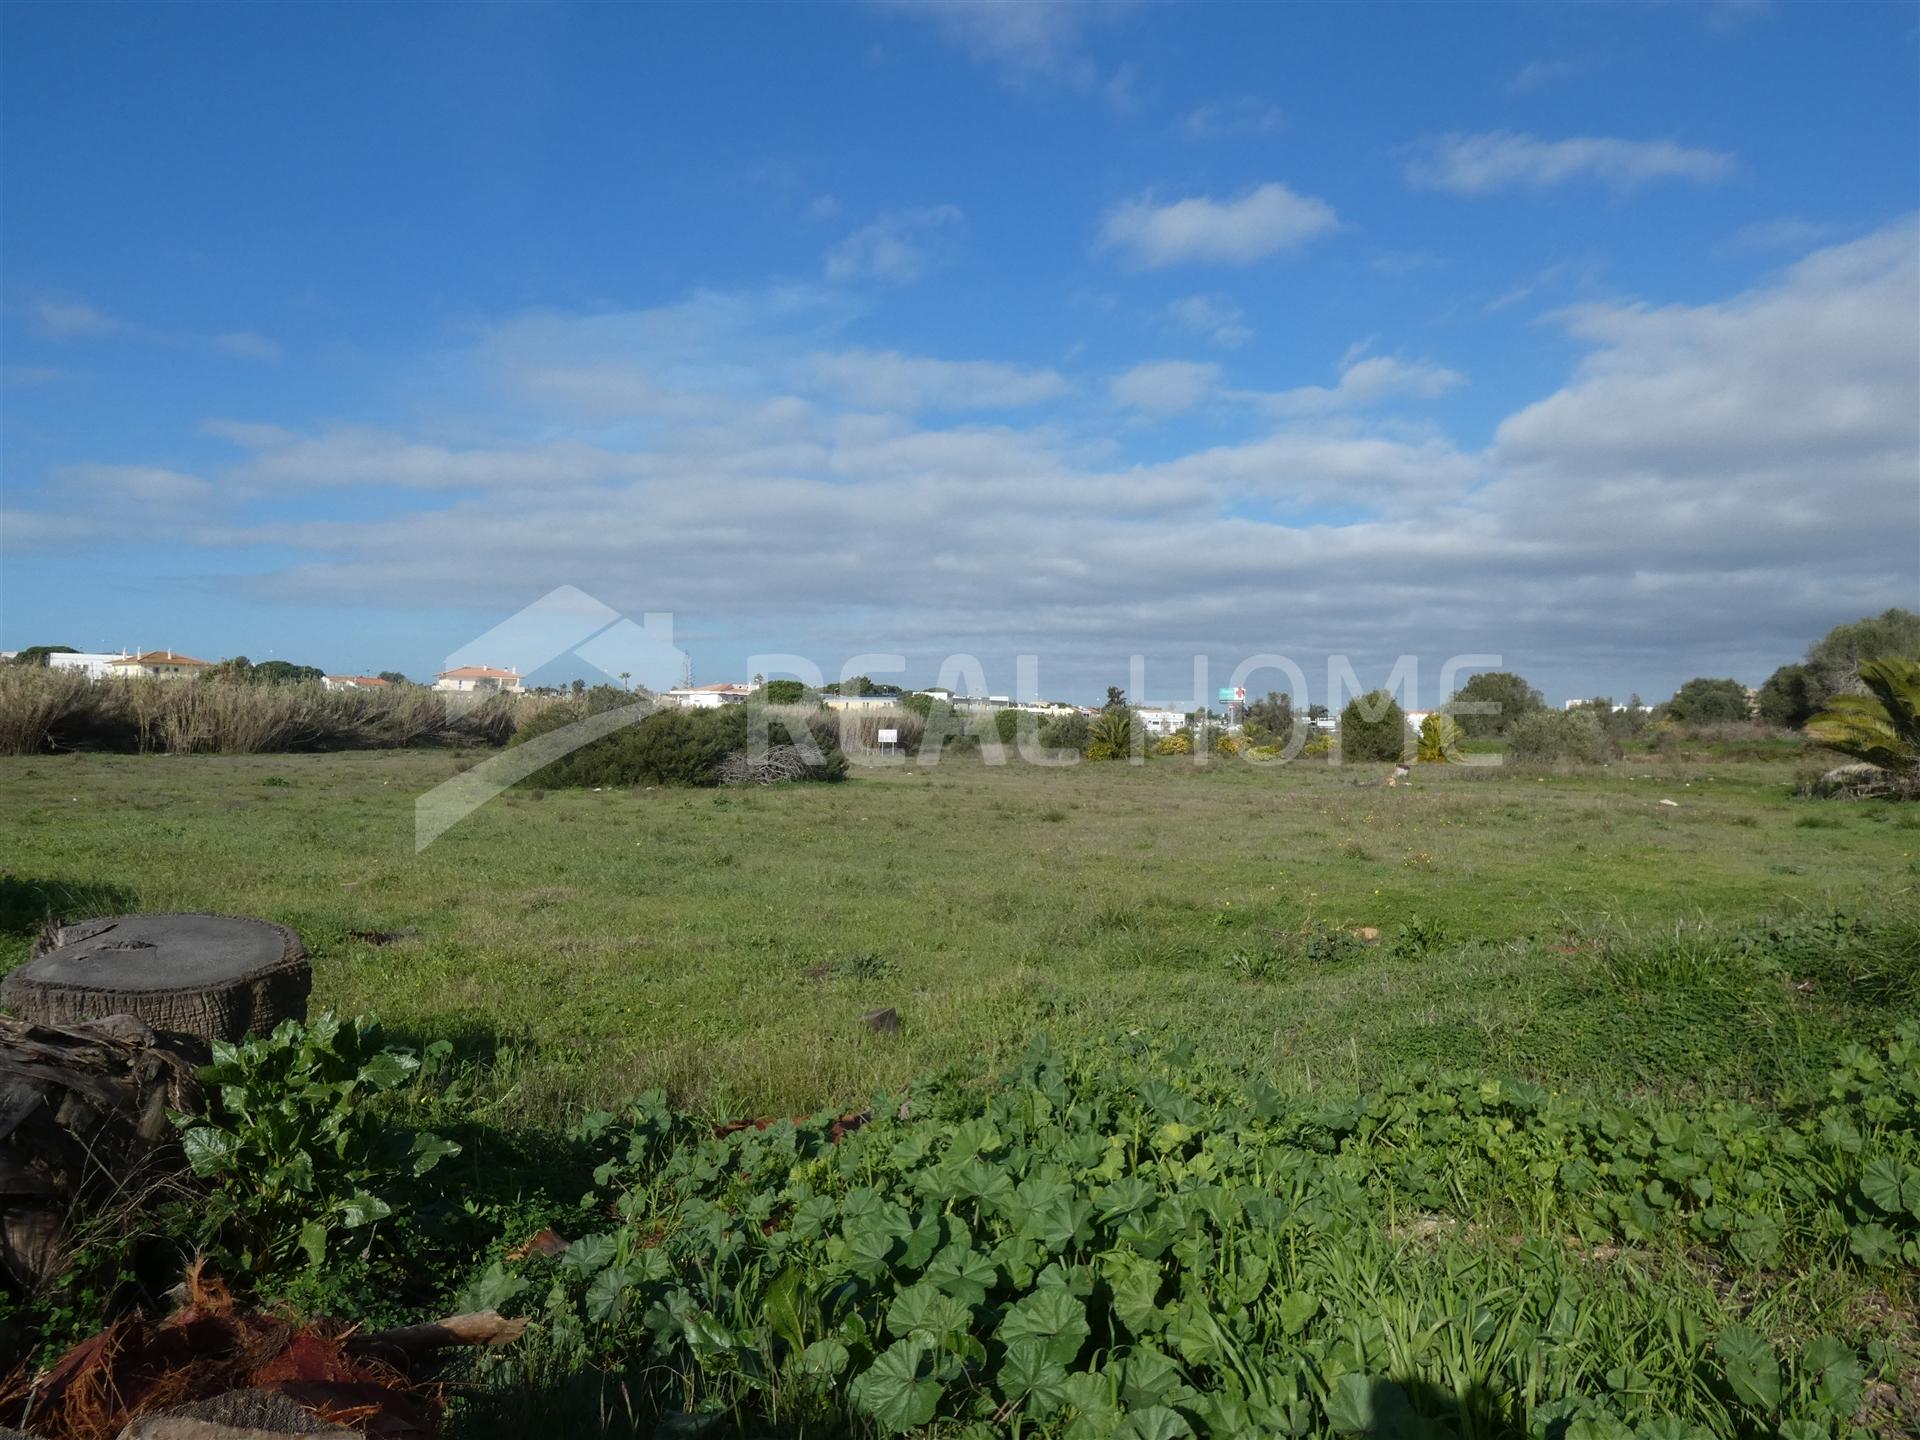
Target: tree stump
83, 1122
219, 977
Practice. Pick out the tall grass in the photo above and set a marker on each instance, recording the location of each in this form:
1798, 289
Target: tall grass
54, 710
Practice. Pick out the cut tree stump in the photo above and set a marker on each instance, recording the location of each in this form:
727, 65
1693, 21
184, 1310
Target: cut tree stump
83, 1125
219, 977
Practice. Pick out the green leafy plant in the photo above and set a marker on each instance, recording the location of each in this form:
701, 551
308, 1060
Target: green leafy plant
1881, 727
1439, 740
1118, 1241
1111, 735
297, 1146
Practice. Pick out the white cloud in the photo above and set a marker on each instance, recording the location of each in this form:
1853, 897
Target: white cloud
135, 484
1818, 369
247, 345
1544, 74
1503, 160
888, 380
1213, 316
1024, 40
1240, 117
70, 319
1785, 233
1368, 381
1713, 486
1263, 221
822, 207
1165, 387
897, 248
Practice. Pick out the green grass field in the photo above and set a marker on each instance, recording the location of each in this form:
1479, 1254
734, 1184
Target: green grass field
1704, 1207
725, 944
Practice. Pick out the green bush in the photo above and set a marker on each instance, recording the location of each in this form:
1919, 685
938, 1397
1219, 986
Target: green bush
1066, 732
1536, 739
1006, 726
297, 1148
680, 747
1373, 727
1709, 702
1513, 696
1118, 1241
1111, 736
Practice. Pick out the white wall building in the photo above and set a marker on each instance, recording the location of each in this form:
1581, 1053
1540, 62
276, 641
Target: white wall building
1158, 720
480, 679
353, 682
92, 664
154, 665
706, 697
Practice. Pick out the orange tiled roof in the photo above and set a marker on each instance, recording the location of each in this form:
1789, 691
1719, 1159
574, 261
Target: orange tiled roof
364, 681
478, 672
158, 657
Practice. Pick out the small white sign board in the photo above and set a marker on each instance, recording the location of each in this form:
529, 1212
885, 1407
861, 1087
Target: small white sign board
889, 737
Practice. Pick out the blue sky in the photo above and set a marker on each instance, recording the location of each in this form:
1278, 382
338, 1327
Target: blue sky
1586, 335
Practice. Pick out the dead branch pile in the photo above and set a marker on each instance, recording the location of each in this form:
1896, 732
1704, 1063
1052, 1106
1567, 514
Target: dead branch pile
217, 1361
777, 764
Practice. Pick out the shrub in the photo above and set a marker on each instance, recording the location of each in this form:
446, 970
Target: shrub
1006, 726
1584, 738
1705, 702
1373, 727
1881, 727
296, 1145
1536, 739
1787, 698
1834, 661
1439, 739
44, 710
1547, 737
793, 692
1066, 732
1178, 743
1111, 736
1513, 695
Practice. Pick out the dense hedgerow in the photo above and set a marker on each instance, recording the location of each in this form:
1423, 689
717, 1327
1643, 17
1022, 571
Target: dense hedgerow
61, 710
683, 747
1117, 1242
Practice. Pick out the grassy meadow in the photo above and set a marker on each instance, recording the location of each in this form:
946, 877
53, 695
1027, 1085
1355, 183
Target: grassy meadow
1502, 1102
724, 945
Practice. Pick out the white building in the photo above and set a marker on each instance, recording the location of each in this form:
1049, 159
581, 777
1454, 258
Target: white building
1160, 720
353, 682
92, 664
861, 702
480, 679
707, 697
154, 665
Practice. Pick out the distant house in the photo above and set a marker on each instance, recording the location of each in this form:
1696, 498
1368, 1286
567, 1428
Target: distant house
353, 682
92, 663
707, 697
861, 702
1160, 719
153, 665
480, 679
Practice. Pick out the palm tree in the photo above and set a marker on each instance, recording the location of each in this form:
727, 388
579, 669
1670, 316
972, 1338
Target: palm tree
1111, 737
1439, 739
625, 675
1881, 727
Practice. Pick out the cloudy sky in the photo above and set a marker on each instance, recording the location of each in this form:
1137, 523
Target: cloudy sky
1584, 335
